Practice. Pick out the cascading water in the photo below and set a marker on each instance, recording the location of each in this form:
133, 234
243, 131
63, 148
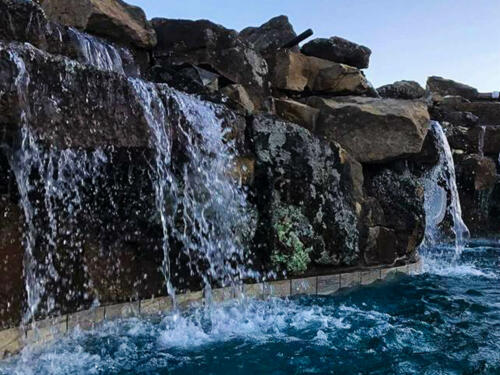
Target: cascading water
215, 215
441, 196
207, 210
51, 184
94, 52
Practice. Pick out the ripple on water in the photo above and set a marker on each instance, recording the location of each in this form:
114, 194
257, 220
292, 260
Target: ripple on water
439, 322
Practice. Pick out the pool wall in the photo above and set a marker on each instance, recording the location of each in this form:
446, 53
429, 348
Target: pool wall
15, 339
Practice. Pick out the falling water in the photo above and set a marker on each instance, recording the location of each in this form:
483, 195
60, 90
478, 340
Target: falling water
439, 182
208, 211
99, 54
215, 214
482, 133
51, 184
164, 183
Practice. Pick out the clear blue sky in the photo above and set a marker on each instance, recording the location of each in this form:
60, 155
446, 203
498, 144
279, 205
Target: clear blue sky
410, 39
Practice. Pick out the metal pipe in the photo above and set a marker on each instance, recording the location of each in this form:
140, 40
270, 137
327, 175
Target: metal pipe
299, 38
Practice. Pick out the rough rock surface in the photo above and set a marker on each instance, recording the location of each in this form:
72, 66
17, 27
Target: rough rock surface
298, 113
270, 36
339, 50
315, 184
394, 214
66, 90
112, 19
214, 47
296, 72
402, 90
447, 87
373, 130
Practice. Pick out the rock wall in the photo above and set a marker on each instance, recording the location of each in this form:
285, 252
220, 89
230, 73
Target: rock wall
107, 161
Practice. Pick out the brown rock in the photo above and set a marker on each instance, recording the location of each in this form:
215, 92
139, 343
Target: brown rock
112, 19
339, 50
239, 94
373, 130
297, 113
297, 72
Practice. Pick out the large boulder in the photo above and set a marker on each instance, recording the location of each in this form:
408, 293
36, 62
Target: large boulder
446, 87
213, 47
402, 90
373, 130
339, 50
112, 19
308, 195
476, 180
394, 214
103, 106
492, 140
488, 112
291, 71
270, 36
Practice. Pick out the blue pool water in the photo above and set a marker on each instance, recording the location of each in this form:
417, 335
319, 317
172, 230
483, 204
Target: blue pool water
446, 321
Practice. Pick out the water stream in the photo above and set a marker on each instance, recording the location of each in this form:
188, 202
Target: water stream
441, 197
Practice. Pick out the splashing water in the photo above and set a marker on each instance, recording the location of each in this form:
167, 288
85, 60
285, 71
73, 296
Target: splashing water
439, 183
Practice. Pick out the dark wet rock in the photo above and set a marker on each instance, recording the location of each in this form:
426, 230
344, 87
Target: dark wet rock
428, 157
111, 19
395, 214
373, 130
455, 118
291, 71
488, 112
447, 87
212, 47
11, 249
298, 113
402, 90
492, 140
477, 180
67, 90
270, 36
339, 50
467, 140
314, 181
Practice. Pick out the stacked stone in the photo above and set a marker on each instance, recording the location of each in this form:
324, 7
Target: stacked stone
331, 167
472, 123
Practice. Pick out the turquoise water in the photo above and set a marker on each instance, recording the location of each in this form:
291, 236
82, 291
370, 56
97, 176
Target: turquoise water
446, 321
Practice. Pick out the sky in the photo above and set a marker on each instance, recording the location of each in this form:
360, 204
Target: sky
410, 39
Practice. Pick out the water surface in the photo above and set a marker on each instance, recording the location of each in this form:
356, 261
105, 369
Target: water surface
446, 321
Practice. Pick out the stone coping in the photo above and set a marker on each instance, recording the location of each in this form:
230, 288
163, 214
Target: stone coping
13, 340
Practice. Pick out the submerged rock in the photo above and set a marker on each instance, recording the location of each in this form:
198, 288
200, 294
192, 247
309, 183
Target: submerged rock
112, 19
270, 36
402, 90
339, 50
296, 72
373, 130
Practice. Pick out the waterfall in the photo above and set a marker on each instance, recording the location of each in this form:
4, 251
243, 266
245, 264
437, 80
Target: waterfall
97, 53
441, 196
207, 210
482, 130
51, 184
